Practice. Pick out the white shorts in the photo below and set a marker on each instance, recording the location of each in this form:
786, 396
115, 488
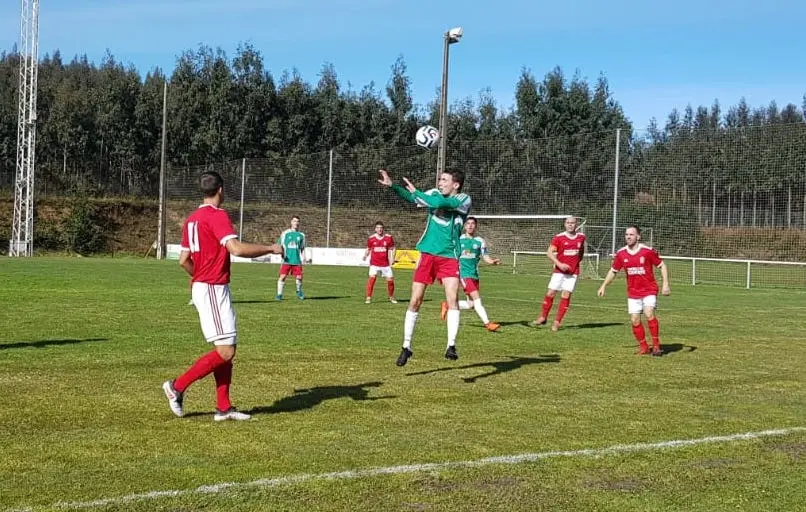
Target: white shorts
564, 282
216, 315
385, 272
636, 306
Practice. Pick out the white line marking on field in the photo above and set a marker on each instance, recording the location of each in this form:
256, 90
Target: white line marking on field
414, 468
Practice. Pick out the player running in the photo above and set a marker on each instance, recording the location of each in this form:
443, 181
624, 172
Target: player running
473, 249
639, 262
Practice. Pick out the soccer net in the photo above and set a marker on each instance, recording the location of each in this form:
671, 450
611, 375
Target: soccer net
521, 241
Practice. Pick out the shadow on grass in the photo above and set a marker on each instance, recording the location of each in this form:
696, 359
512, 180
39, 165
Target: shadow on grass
498, 366
326, 297
594, 325
676, 347
252, 301
311, 397
47, 343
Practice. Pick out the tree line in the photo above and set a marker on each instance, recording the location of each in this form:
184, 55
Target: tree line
99, 129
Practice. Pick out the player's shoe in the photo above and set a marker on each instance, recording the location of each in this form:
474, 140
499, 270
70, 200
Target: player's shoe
443, 310
537, 323
657, 352
451, 353
492, 326
368, 300
643, 350
231, 414
278, 297
174, 398
404, 356
555, 326
300, 296
393, 300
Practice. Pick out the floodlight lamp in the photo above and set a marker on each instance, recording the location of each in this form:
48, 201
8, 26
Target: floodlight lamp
455, 34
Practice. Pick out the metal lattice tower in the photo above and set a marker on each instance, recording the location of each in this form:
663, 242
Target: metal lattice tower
22, 229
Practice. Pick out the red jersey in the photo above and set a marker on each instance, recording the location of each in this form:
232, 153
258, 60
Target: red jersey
570, 249
379, 249
639, 264
205, 235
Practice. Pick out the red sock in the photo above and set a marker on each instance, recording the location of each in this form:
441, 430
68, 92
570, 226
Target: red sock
547, 303
203, 367
563, 309
390, 287
640, 335
370, 286
223, 377
654, 331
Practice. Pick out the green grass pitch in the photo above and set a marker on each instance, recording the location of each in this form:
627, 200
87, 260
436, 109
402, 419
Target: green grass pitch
87, 343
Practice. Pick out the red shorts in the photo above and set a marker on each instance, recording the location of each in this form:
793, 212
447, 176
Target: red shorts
294, 270
470, 285
430, 268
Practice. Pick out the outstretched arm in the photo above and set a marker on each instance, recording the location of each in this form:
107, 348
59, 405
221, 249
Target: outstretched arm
386, 181
247, 250
457, 202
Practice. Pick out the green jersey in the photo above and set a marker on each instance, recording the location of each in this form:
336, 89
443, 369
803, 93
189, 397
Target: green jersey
446, 218
473, 249
293, 244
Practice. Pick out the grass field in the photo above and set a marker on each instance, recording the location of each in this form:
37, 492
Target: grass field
87, 343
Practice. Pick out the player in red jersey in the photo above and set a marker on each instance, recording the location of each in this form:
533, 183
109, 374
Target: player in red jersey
381, 254
565, 251
208, 239
639, 262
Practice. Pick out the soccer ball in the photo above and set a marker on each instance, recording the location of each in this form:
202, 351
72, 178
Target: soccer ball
427, 137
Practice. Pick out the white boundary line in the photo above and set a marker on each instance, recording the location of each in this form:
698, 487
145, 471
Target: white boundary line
414, 468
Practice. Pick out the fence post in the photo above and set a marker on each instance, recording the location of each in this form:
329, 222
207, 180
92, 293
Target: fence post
243, 187
329, 196
161, 208
615, 192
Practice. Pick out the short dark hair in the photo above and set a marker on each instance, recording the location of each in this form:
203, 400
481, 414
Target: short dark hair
635, 227
296, 217
379, 223
210, 182
458, 177
470, 217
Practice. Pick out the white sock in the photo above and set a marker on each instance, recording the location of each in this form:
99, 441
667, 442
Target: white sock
280, 285
453, 326
465, 304
299, 285
481, 311
408, 327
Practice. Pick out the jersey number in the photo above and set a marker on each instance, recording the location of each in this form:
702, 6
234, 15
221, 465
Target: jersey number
193, 236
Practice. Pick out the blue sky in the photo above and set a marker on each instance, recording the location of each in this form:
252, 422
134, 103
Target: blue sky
656, 55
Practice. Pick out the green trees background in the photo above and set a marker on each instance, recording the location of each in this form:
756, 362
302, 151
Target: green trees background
99, 131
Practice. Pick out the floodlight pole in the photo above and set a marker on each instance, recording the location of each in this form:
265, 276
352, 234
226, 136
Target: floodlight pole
451, 36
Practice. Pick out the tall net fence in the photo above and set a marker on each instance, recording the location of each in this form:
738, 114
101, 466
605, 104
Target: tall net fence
738, 194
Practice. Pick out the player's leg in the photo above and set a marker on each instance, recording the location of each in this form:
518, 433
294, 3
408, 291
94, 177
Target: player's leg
475, 295
652, 322
373, 275
423, 276
635, 308
284, 270
387, 274
548, 299
218, 327
567, 286
451, 285
297, 270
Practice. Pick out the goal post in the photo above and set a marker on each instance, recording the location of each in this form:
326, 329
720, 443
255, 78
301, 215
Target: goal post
521, 241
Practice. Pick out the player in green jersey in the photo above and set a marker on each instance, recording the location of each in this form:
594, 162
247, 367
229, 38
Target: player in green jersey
474, 249
293, 243
439, 250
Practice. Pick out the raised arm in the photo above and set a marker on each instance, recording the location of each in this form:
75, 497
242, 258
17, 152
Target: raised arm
247, 250
386, 181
